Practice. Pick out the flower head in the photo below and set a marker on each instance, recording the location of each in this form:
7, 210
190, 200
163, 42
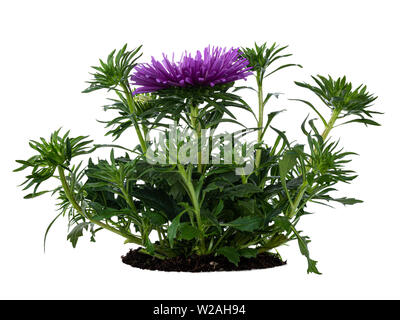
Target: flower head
215, 66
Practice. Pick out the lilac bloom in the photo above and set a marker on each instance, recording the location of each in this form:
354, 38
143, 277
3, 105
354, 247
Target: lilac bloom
215, 66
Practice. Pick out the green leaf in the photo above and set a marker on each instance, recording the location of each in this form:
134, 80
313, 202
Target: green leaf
36, 194
149, 246
282, 135
287, 163
48, 229
173, 229
364, 121
68, 153
210, 218
230, 253
156, 199
155, 218
248, 253
217, 210
107, 213
270, 117
188, 232
283, 222
247, 223
241, 191
275, 241
347, 201
344, 200
248, 206
314, 108
303, 245
77, 232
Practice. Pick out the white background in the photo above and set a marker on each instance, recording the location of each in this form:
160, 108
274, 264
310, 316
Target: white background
46, 50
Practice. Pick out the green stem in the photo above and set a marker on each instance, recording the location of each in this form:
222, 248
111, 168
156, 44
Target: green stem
331, 123
196, 206
303, 189
78, 208
132, 110
142, 141
129, 201
260, 123
194, 113
226, 233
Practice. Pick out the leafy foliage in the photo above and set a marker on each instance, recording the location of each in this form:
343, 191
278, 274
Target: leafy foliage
114, 70
262, 57
200, 208
57, 151
339, 95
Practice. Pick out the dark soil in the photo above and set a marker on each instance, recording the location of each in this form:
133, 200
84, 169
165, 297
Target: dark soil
207, 263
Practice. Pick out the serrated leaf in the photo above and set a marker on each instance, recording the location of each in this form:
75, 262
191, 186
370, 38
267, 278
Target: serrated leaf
303, 246
77, 232
247, 223
230, 253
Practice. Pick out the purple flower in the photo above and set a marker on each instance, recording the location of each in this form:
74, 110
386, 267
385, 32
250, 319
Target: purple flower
215, 66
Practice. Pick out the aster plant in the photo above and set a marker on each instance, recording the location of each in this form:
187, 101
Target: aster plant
176, 208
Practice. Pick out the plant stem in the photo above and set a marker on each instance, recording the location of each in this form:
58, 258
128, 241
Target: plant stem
132, 110
325, 134
227, 232
194, 113
78, 208
128, 199
260, 123
196, 206
331, 123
